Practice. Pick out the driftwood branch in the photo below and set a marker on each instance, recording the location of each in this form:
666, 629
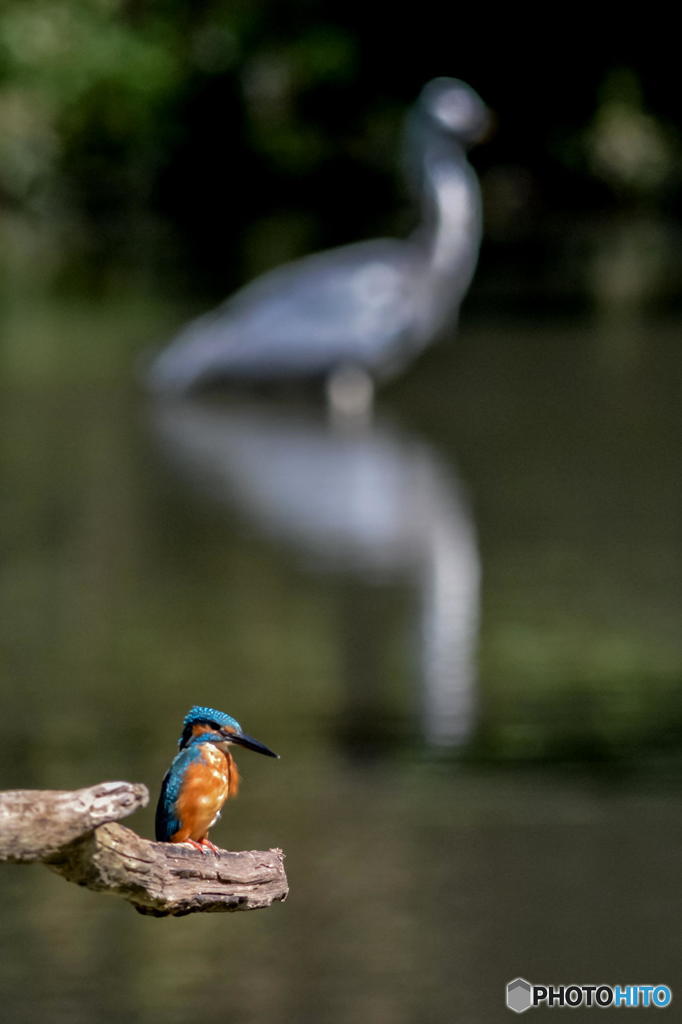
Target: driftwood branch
76, 834
36, 824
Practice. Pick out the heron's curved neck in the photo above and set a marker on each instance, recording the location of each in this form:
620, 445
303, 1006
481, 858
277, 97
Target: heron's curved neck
451, 226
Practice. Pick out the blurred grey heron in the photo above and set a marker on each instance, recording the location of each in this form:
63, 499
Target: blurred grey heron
361, 312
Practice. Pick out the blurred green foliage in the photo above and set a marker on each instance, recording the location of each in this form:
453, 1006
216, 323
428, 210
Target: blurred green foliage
629, 148
99, 87
110, 104
73, 72
217, 138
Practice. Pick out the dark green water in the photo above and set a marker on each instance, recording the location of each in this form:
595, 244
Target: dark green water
459, 627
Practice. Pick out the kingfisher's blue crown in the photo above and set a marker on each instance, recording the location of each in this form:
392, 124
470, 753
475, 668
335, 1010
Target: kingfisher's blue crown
200, 713
203, 714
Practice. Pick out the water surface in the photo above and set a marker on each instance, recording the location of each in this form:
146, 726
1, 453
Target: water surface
459, 625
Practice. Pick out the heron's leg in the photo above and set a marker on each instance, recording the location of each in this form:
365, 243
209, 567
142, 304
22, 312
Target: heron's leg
350, 393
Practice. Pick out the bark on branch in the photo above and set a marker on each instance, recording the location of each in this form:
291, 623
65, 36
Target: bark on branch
76, 834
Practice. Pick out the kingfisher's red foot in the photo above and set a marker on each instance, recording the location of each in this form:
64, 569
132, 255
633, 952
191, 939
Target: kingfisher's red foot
207, 844
194, 844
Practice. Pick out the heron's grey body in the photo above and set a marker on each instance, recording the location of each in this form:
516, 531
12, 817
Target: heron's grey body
372, 305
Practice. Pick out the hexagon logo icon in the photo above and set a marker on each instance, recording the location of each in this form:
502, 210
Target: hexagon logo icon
519, 995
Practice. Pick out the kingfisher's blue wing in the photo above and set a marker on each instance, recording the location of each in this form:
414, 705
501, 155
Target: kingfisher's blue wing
167, 822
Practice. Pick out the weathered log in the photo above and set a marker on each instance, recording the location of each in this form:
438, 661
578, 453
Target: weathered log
75, 834
36, 823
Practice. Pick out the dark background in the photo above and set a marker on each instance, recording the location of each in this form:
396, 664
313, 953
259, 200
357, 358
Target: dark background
283, 120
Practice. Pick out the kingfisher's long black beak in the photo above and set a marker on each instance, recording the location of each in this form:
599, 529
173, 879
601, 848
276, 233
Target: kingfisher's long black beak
247, 741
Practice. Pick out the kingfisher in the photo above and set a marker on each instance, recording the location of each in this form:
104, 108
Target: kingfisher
202, 776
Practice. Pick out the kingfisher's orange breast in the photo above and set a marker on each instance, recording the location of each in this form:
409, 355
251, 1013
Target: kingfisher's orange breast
207, 785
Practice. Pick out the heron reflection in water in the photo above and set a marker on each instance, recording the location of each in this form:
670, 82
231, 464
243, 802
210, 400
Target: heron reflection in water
371, 504
357, 314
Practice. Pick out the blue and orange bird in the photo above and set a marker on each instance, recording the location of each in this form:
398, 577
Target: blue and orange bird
201, 778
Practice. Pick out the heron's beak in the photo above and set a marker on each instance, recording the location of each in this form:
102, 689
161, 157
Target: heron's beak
247, 741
